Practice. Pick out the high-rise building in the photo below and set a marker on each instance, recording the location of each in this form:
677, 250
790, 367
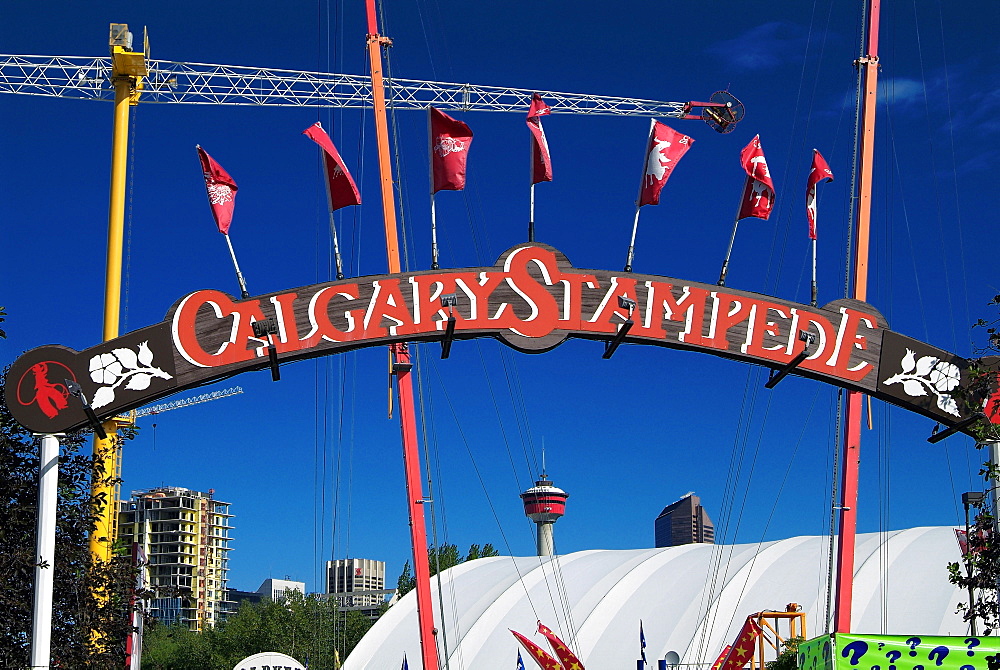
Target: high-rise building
185, 537
544, 504
357, 584
684, 522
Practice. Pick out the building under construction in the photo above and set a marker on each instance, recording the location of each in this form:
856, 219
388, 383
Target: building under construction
184, 536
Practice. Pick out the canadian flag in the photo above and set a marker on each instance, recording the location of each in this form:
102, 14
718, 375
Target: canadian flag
820, 171
666, 147
758, 193
340, 187
221, 191
450, 140
541, 163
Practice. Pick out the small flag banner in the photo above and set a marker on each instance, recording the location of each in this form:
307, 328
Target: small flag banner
666, 147
758, 193
341, 189
819, 171
541, 162
221, 190
450, 141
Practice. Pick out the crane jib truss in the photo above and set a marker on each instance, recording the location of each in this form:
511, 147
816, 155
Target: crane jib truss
84, 77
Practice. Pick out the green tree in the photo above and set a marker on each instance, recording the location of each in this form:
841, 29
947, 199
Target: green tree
787, 658
76, 610
441, 558
306, 628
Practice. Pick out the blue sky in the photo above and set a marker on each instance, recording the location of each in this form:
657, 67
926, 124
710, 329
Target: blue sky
312, 465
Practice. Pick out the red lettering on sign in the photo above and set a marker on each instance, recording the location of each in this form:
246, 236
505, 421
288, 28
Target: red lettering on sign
386, 303
609, 315
288, 332
728, 311
319, 316
761, 326
544, 315
241, 330
479, 290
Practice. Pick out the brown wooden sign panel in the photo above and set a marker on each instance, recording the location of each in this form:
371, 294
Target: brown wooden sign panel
532, 300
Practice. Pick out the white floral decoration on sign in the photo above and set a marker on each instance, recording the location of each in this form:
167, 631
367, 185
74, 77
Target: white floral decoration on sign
928, 375
122, 365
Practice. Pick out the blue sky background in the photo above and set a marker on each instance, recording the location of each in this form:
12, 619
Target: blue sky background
312, 466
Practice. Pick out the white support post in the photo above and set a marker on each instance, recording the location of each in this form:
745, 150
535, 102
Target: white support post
45, 552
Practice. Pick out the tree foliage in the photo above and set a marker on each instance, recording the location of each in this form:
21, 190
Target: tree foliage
441, 558
306, 628
979, 570
76, 609
787, 658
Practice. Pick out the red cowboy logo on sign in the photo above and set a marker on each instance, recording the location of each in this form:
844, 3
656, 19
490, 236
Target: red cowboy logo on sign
50, 396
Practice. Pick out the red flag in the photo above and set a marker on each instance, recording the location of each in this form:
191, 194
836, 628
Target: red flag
666, 147
566, 657
450, 140
541, 163
742, 650
758, 193
341, 190
221, 191
819, 171
722, 657
542, 658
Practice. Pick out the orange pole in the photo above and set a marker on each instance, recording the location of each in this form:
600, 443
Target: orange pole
401, 363
852, 425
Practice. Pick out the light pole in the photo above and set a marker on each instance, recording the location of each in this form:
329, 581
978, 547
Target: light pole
968, 499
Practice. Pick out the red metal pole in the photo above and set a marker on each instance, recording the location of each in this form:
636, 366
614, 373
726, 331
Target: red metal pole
852, 427
401, 361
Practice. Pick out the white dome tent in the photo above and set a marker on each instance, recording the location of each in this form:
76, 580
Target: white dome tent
900, 586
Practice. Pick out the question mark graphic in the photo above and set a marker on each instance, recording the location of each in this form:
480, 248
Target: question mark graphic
941, 653
968, 667
893, 656
913, 642
855, 650
972, 642
880, 645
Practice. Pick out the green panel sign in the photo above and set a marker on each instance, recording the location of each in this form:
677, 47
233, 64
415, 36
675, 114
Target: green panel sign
899, 652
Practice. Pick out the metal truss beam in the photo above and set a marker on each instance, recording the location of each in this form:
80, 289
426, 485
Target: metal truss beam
203, 84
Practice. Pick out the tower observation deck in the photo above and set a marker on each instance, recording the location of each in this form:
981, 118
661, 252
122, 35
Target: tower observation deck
544, 504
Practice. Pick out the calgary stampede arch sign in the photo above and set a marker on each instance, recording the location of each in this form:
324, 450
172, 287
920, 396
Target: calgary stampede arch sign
533, 299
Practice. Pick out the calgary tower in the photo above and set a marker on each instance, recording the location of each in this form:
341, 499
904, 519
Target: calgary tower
544, 504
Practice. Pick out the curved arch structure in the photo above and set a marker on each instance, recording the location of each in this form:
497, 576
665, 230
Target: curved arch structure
669, 589
533, 299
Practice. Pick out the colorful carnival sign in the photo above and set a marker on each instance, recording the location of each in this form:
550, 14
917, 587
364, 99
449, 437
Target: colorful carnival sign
533, 299
844, 651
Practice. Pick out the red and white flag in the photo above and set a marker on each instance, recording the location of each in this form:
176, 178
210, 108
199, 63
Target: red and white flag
742, 651
450, 140
566, 657
758, 193
221, 191
820, 171
542, 657
541, 163
341, 190
666, 147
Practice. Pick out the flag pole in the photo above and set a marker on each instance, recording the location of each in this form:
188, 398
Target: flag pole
732, 238
434, 235
813, 303
336, 246
333, 227
531, 216
244, 294
631, 244
729, 252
